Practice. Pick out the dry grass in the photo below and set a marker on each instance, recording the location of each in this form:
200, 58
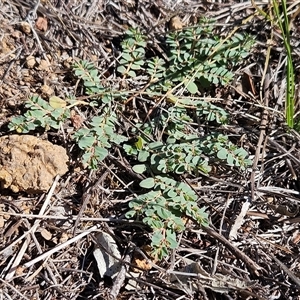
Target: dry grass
251, 250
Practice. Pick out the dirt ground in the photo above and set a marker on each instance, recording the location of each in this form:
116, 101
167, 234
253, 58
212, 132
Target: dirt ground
251, 248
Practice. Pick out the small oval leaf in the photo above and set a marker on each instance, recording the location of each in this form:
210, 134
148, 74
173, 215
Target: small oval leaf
57, 102
139, 169
147, 183
192, 87
222, 153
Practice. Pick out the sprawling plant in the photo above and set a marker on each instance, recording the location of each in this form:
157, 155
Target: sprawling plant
168, 142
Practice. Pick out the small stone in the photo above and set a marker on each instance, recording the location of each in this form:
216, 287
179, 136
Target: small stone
30, 62
46, 91
11, 103
25, 27
43, 65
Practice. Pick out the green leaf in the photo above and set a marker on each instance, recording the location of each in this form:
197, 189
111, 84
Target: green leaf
171, 140
37, 114
180, 169
230, 159
107, 98
86, 142
81, 132
130, 214
147, 183
157, 238
130, 150
121, 69
192, 87
136, 66
86, 157
131, 73
57, 102
155, 145
100, 153
139, 144
163, 213
171, 239
139, 169
58, 114
127, 56
143, 155
222, 153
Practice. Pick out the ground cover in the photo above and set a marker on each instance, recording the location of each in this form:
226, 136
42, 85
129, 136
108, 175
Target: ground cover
182, 178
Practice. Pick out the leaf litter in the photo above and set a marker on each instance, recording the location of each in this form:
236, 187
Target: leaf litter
250, 251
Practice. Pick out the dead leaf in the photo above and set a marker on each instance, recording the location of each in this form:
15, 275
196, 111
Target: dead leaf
108, 265
247, 83
46, 90
140, 261
41, 24
76, 119
43, 65
1, 222
26, 209
284, 210
296, 237
20, 271
57, 102
64, 237
132, 284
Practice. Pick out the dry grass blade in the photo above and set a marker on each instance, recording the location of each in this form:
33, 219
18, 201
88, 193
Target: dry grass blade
47, 254
23, 249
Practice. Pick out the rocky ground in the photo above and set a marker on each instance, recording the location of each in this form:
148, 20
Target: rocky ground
55, 212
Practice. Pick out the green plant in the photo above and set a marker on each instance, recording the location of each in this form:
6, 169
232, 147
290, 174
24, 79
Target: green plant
166, 209
97, 138
133, 55
88, 73
39, 114
190, 155
290, 76
98, 134
196, 58
281, 20
168, 141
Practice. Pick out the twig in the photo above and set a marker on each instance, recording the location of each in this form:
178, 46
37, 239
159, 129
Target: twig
283, 266
10, 65
72, 218
248, 261
61, 246
220, 231
14, 289
32, 230
31, 15
90, 192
